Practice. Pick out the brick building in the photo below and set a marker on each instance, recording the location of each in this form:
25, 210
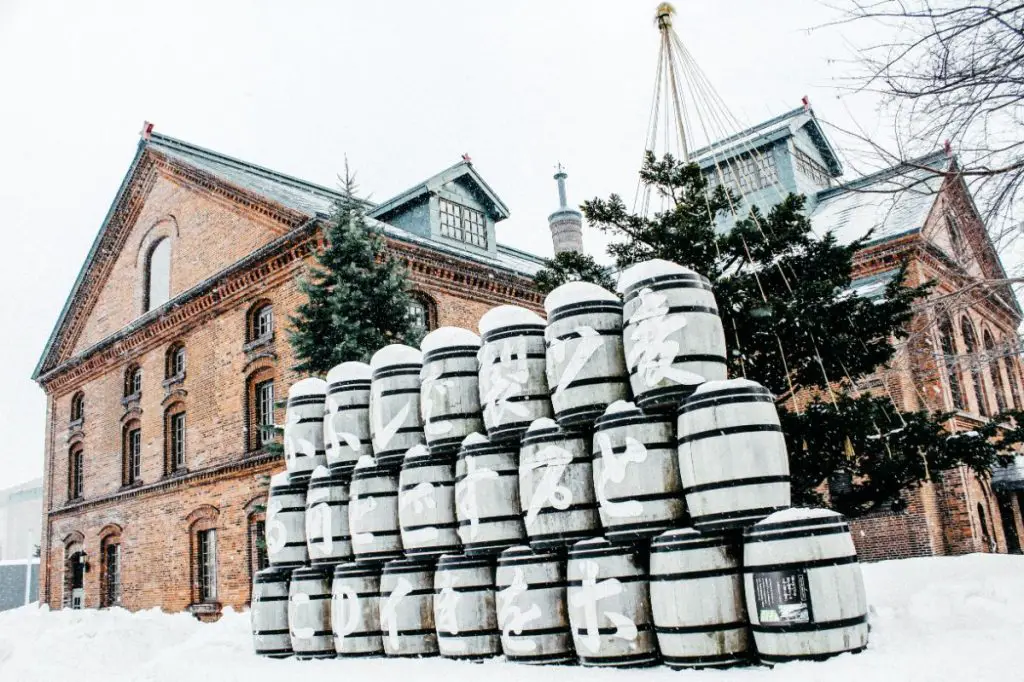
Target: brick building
172, 347
963, 354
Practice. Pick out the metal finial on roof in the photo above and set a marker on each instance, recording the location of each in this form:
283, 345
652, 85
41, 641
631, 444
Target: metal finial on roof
147, 130
663, 15
560, 176
466, 158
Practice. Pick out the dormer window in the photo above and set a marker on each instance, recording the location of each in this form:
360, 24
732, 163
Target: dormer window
462, 223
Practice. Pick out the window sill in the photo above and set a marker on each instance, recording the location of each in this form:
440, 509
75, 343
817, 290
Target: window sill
130, 486
256, 344
129, 399
205, 608
172, 381
75, 423
71, 501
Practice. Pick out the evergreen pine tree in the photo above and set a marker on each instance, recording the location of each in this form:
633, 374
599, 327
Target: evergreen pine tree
572, 266
793, 324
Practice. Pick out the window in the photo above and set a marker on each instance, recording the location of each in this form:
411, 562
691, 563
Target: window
264, 410
206, 565
77, 407
132, 453
973, 365
746, 173
175, 439
418, 314
158, 274
811, 168
258, 545
1013, 377
111, 577
133, 382
987, 542
995, 369
949, 361
75, 472
176, 361
261, 323
463, 223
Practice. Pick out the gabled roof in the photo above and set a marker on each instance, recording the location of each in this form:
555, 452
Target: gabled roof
782, 126
463, 169
892, 202
310, 199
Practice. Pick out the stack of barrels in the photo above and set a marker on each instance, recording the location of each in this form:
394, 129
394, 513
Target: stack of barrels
589, 487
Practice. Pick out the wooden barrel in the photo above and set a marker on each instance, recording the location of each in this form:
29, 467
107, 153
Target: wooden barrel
355, 610
304, 428
513, 380
609, 607
395, 421
697, 598
450, 390
732, 455
586, 367
373, 513
426, 504
804, 588
556, 486
268, 614
464, 612
636, 473
309, 612
673, 336
407, 608
532, 610
327, 537
286, 522
487, 496
347, 417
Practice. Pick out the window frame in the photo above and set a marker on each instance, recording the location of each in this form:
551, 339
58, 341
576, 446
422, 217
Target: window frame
970, 339
462, 223
175, 438
263, 410
206, 566
133, 382
175, 362
76, 472
77, 414
950, 361
261, 322
147, 292
132, 453
110, 593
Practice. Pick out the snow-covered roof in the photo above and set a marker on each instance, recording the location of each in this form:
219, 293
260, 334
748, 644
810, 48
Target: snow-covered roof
889, 204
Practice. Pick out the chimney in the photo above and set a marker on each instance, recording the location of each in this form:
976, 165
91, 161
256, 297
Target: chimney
566, 223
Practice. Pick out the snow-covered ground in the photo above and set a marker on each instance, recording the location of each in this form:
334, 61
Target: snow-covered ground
958, 618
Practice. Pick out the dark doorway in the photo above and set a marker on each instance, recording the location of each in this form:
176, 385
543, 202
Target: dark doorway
1009, 524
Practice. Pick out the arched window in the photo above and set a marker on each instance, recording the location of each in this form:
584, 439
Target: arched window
77, 407
261, 322
158, 274
203, 539
949, 362
174, 438
133, 381
973, 365
176, 361
76, 465
259, 411
131, 453
74, 571
257, 541
110, 575
422, 312
995, 370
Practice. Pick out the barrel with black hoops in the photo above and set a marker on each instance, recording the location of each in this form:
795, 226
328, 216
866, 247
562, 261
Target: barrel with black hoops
804, 587
347, 417
697, 601
426, 504
327, 537
464, 610
309, 612
586, 368
609, 605
286, 522
355, 611
373, 513
407, 608
732, 455
513, 378
487, 496
395, 421
268, 615
556, 486
636, 473
450, 393
304, 428
672, 336
532, 611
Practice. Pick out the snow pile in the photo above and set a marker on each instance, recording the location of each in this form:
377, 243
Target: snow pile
949, 618
349, 371
448, 337
576, 292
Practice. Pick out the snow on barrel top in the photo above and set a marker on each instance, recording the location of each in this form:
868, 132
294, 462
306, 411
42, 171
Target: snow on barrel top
620, 406
417, 451
801, 514
395, 354
508, 316
308, 386
321, 472
724, 384
574, 292
348, 371
649, 269
446, 337
279, 480
474, 439
542, 423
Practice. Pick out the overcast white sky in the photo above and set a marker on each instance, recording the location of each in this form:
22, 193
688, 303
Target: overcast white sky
403, 87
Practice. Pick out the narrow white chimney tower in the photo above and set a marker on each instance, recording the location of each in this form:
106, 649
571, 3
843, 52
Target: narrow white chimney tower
566, 223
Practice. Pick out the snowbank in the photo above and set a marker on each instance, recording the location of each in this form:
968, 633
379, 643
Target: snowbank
958, 618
